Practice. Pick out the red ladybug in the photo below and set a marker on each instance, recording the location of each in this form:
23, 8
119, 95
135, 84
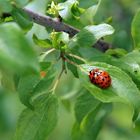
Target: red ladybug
100, 78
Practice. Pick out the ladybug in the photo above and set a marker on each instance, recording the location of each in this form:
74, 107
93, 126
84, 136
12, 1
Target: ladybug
100, 78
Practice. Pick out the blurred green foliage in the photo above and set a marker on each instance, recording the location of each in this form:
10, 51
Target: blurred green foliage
117, 125
122, 12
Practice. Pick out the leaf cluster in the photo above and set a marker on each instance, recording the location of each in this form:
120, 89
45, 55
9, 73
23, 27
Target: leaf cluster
35, 70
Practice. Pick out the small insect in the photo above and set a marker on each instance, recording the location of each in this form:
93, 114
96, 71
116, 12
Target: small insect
100, 78
42, 74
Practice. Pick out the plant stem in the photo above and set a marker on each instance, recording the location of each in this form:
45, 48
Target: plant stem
57, 81
45, 54
63, 69
51, 22
57, 25
76, 65
78, 57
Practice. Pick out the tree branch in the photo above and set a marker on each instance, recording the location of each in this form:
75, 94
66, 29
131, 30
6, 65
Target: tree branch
50, 22
47, 21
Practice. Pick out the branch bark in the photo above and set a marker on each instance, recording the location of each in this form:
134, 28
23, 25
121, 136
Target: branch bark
47, 21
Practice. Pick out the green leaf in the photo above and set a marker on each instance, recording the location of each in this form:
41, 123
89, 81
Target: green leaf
69, 9
91, 124
7, 81
90, 115
122, 89
70, 12
22, 19
89, 35
60, 40
71, 67
92, 54
132, 59
15, 50
118, 52
21, 3
76, 133
5, 119
135, 30
67, 104
5, 6
131, 64
32, 85
25, 88
88, 15
84, 104
76, 11
45, 43
45, 65
37, 124
45, 83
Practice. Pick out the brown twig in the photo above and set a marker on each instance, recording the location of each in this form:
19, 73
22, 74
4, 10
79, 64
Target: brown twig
50, 22
60, 26
57, 25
